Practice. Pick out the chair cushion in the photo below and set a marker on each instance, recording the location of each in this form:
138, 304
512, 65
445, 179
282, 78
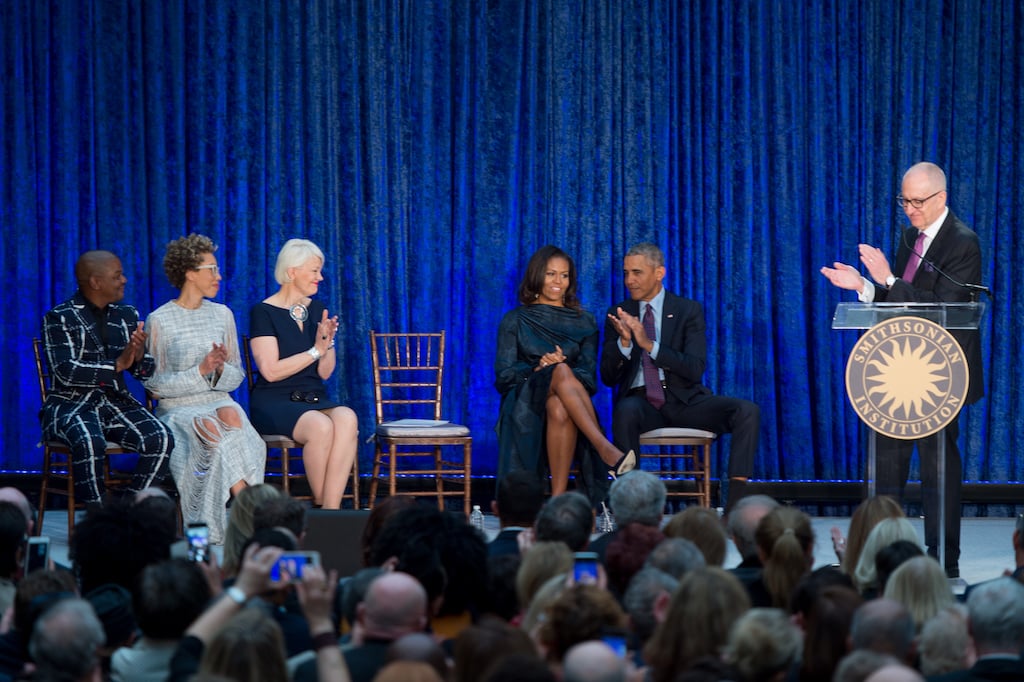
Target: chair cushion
672, 432
421, 428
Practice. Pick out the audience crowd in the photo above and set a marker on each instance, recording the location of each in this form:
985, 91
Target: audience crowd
435, 601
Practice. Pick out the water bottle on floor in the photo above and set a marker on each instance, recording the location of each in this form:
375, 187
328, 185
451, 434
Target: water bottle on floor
476, 518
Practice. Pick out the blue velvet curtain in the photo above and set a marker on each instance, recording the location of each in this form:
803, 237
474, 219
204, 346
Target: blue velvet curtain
429, 146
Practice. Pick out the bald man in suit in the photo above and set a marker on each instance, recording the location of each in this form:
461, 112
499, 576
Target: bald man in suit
945, 256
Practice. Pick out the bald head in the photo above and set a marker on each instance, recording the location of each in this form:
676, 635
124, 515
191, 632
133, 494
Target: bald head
18, 499
593, 661
930, 173
92, 263
885, 626
100, 277
895, 673
395, 605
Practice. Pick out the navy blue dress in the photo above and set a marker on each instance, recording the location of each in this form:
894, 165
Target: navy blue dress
271, 408
525, 334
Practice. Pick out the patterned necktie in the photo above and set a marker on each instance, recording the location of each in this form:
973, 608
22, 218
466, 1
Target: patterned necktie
655, 393
915, 259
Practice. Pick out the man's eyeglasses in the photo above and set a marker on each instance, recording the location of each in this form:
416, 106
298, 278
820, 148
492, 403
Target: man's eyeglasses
304, 397
212, 267
916, 203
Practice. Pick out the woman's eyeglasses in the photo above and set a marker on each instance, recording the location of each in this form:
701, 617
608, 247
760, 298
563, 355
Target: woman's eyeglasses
305, 397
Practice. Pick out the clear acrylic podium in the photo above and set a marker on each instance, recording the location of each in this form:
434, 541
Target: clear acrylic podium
951, 316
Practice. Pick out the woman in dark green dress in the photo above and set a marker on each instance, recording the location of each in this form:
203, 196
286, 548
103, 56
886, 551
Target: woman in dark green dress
546, 372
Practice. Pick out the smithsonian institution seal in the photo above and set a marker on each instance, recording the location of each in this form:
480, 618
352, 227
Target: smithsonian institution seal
907, 377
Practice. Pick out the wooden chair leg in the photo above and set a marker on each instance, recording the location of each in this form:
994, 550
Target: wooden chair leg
466, 466
438, 481
42, 492
71, 499
355, 482
374, 476
392, 457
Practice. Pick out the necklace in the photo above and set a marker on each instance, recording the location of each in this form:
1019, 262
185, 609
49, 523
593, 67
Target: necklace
298, 312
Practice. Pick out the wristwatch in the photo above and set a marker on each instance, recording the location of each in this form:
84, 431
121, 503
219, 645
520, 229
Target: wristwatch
314, 352
890, 280
236, 595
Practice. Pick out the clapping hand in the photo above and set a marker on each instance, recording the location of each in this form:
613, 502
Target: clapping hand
134, 351
630, 329
214, 360
325, 331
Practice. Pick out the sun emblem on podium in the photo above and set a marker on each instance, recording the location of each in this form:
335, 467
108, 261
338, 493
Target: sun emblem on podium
907, 377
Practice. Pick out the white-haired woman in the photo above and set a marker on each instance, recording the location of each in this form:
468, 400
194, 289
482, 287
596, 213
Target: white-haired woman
292, 340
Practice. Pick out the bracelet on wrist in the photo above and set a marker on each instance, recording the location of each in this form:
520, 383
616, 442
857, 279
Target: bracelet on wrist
236, 595
314, 353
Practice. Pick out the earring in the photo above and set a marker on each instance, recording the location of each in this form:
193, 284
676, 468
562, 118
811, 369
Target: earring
536, 296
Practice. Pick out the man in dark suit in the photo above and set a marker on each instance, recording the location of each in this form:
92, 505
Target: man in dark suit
520, 495
90, 341
654, 357
937, 256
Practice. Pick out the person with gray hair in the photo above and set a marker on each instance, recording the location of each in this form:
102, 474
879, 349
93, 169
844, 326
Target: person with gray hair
567, 518
764, 645
860, 664
646, 601
895, 672
938, 259
593, 661
292, 341
885, 626
995, 619
638, 497
676, 557
65, 642
654, 355
742, 524
945, 645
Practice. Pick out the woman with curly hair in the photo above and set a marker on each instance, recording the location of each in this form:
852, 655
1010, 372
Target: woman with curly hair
217, 452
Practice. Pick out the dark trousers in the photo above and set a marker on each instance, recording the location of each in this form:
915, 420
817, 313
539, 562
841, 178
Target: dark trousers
893, 467
633, 415
130, 425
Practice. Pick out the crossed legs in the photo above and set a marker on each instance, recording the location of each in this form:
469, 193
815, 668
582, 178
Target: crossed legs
570, 412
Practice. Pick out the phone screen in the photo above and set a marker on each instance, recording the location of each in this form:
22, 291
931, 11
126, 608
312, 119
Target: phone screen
584, 568
198, 536
288, 568
37, 554
617, 642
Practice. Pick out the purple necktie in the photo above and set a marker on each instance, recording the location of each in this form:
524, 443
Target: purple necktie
915, 259
655, 393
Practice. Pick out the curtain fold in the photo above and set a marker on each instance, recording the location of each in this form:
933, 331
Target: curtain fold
429, 147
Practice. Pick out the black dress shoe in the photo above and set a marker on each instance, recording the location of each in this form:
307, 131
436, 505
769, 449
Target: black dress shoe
625, 464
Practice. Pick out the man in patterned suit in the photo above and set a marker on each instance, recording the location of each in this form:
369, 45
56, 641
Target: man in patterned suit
90, 340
